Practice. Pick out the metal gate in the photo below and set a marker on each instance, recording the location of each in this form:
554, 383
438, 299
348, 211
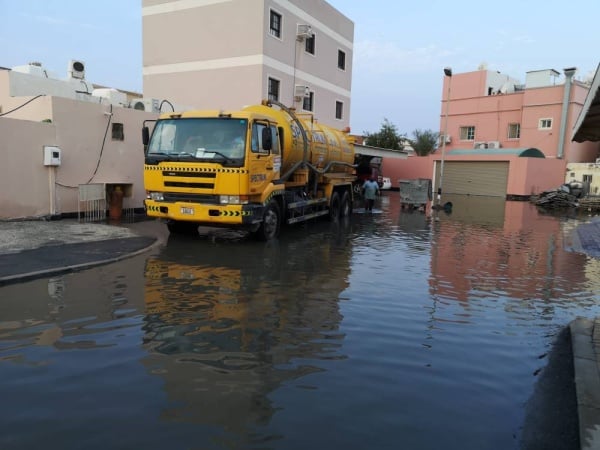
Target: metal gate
473, 177
92, 202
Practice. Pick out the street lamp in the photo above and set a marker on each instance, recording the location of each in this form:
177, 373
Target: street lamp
448, 73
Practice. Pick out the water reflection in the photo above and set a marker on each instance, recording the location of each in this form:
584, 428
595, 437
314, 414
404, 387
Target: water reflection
69, 311
401, 326
228, 322
503, 250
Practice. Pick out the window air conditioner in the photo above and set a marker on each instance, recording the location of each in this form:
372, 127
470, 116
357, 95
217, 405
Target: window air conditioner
493, 144
301, 91
446, 138
480, 145
146, 104
304, 31
76, 69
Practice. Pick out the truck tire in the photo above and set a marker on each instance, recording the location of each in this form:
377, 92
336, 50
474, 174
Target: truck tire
346, 208
271, 221
179, 227
334, 207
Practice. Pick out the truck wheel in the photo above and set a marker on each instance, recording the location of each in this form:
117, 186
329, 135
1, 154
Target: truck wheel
334, 206
178, 227
346, 208
269, 227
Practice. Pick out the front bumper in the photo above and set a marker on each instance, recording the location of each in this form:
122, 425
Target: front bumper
206, 214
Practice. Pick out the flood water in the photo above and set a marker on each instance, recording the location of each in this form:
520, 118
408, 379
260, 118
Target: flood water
394, 330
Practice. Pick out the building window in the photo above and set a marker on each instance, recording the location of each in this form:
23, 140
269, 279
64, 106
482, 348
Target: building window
341, 60
117, 132
467, 133
307, 103
339, 110
545, 124
275, 24
514, 130
309, 44
273, 89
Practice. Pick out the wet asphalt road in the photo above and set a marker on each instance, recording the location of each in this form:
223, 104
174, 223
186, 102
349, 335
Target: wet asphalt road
551, 413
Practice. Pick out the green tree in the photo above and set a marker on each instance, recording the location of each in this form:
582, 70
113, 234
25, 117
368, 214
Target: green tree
386, 137
424, 141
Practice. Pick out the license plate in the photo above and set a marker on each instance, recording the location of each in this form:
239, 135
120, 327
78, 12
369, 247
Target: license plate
188, 211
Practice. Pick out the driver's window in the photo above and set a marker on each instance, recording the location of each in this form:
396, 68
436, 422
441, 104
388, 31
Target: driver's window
275, 140
257, 137
257, 145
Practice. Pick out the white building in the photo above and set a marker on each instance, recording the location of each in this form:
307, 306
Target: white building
224, 54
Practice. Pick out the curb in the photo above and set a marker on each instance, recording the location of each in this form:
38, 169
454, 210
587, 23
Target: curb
74, 267
585, 335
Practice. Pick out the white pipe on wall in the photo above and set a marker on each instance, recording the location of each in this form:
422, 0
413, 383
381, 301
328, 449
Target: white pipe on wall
569, 72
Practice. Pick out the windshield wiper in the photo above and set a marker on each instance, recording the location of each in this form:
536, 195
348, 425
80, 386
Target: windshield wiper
226, 158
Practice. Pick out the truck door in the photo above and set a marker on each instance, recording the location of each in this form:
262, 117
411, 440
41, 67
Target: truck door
265, 165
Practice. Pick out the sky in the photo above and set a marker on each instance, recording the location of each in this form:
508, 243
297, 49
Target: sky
400, 47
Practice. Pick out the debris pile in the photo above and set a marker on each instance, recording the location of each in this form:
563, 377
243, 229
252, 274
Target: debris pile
590, 203
557, 199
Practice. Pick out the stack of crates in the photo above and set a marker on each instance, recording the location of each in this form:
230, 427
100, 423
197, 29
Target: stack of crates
415, 193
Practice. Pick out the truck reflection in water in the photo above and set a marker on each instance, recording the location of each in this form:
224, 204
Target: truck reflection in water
228, 322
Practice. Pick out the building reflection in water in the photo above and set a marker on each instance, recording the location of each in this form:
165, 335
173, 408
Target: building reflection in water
228, 322
489, 246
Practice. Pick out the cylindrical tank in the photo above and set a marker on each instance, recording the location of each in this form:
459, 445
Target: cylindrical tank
325, 144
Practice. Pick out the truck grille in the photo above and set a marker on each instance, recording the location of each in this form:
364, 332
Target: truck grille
202, 180
181, 184
191, 198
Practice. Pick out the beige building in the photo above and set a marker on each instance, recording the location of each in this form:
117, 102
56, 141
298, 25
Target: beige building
224, 54
67, 145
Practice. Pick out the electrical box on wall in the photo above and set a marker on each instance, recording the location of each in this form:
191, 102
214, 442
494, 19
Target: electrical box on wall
51, 155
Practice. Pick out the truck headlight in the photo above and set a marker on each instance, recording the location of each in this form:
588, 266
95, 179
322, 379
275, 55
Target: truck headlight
233, 199
158, 196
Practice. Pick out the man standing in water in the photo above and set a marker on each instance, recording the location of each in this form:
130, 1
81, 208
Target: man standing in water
370, 191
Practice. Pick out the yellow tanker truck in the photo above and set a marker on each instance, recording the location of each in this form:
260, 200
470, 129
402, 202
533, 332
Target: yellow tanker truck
254, 169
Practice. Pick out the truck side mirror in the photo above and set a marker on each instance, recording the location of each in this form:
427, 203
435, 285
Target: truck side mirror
267, 139
145, 136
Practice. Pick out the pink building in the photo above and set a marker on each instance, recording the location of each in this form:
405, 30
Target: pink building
503, 138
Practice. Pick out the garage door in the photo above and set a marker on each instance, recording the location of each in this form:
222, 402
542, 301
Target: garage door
474, 177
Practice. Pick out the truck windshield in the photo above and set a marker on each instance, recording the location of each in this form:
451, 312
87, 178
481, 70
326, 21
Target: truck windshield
222, 139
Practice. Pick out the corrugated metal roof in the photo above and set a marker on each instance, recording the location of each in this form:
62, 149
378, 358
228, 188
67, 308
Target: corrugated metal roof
527, 152
377, 151
587, 127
